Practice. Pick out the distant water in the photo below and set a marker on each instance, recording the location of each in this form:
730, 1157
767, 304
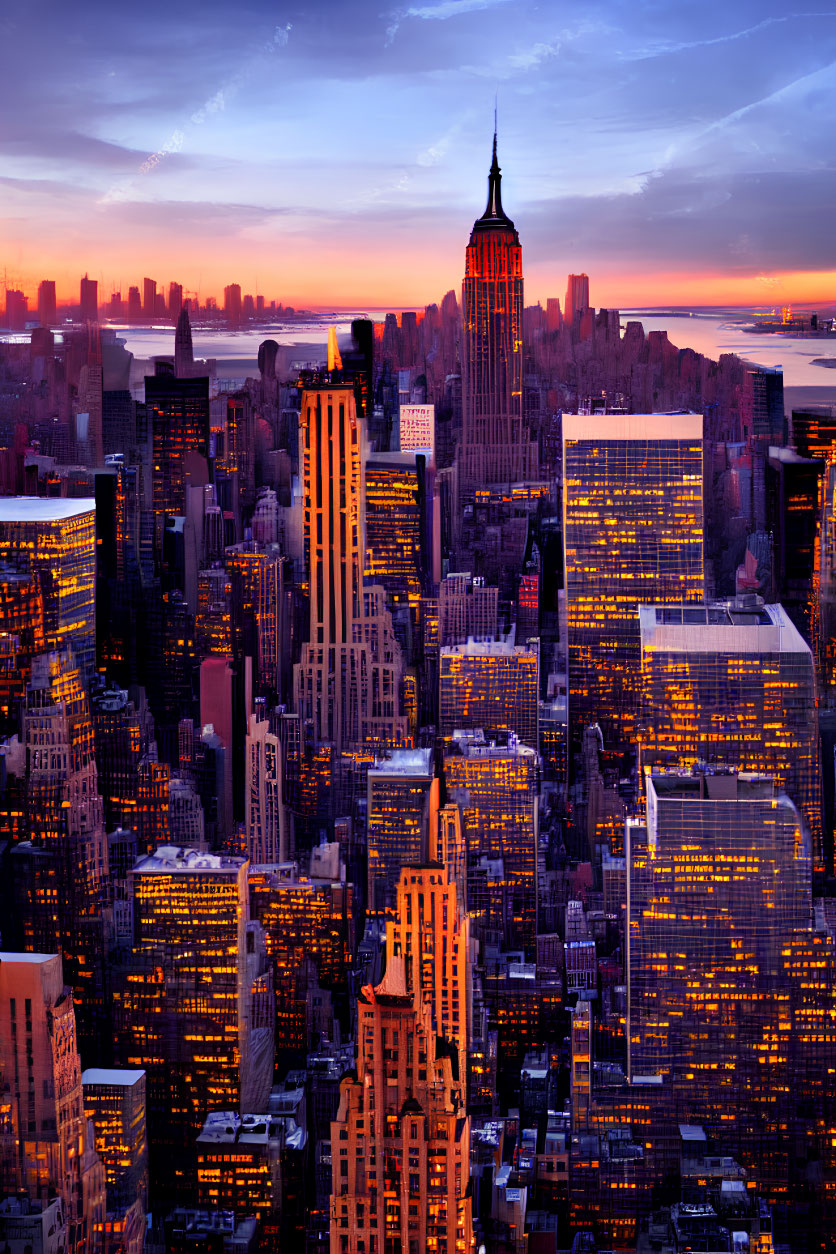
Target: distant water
709, 333
241, 347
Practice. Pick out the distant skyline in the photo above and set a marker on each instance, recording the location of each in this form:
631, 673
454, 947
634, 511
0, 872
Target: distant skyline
337, 153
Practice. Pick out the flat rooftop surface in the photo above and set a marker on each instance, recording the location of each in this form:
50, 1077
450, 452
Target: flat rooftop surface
44, 509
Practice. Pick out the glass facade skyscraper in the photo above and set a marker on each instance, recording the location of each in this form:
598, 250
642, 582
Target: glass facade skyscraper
633, 534
732, 682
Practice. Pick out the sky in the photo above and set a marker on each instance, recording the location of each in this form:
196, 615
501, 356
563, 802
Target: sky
335, 152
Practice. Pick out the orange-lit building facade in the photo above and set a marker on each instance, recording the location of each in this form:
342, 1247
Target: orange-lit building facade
347, 685
56, 538
115, 1101
633, 534
194, 1009
398, 804
400, 1144
496, 446
732, 682
40, 1072
493, 686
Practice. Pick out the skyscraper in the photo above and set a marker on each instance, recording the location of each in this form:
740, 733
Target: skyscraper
89, 300
347, 685
496, 446
40, 1070
266, 823
178, 410
633, 533
732, 682
493, 686
57, 538
496, 789
195, 1011
115, 1101
577, 296
47, 307
398, 802
149, 298
401, 1138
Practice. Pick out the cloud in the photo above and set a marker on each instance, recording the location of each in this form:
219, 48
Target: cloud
440, 11
663, 48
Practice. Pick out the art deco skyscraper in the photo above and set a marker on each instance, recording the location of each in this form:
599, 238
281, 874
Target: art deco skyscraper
495, 443
347, 684
400, 1144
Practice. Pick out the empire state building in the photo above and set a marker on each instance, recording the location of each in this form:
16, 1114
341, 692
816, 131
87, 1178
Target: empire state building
496, 446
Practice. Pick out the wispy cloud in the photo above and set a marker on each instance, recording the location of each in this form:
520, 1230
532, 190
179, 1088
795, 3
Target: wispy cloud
441, 11
666, 48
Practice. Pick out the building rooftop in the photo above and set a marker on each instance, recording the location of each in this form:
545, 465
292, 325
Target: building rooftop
740, 625
404, 762
167, 858
38, 509
710, 784
487, 648
670, 426
32, 959
116, 1076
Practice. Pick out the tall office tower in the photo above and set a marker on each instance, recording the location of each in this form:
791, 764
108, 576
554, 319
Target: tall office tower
431, 932
115, 1102
577, 297
719, 912
232, 303
266, 822
554, 318
175, 300
134, 305
633, 533
126, 756
195, 1009
347, 685
47, 304
89, 300
260, 610
149, 299
496, 788
309, 935
401, 1139
468, 609
490, 685
732, 682
22, 629
183, 349
178, 410
66, 838
40, 1072
213, 619
57, 539
398, 806
395, 524
17, 309
793, 492
496, 446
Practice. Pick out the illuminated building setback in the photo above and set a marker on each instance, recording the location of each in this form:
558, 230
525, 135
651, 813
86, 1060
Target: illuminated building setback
266, 823
393, 513
732, 682
633, 534
57, 539
178, 413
